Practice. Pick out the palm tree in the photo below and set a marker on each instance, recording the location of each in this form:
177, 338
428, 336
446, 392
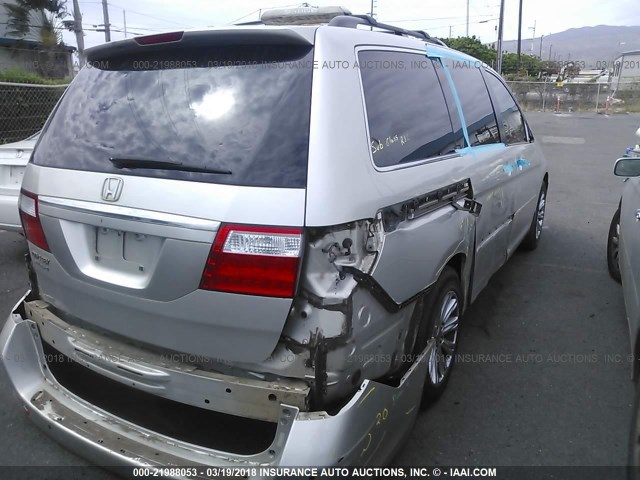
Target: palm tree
45, 18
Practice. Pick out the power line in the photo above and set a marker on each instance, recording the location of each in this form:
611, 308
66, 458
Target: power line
152, 16
456, 24
114, 29
437, 18
244, 16
139, 13
33, 26
91, 26
260, 10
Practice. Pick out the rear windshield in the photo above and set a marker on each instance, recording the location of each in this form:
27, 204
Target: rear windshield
233, 115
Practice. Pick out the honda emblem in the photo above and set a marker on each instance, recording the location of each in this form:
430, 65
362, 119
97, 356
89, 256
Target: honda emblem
112, 189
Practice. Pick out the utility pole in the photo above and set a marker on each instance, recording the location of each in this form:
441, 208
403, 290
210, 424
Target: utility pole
534, 33
107, 26
77, 29
373, 6
541, 37
467, 19
550, 47
124, 18
450, 30
499, 45
519, 36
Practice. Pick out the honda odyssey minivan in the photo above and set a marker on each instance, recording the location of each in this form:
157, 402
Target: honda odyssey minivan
275, 228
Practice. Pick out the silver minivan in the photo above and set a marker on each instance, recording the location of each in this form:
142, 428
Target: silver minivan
275, 228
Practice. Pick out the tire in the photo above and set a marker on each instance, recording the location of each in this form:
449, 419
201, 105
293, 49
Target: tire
532, 238
446, 293
613, 244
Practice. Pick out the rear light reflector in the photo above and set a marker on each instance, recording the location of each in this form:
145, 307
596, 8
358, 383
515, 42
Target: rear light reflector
260, 243
254, 261
30, 217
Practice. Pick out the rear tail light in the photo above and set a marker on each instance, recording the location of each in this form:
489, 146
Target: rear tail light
254, 261
30, 218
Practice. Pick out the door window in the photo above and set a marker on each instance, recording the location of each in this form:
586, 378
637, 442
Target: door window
509, 116
474, 99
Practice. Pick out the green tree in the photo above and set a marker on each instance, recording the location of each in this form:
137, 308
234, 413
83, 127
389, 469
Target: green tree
474, 47
45, 18
529, 65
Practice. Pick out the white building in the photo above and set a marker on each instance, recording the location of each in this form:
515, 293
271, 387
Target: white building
626, 71
25, 52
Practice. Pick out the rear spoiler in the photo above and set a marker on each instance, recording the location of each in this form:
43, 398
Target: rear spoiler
203, 38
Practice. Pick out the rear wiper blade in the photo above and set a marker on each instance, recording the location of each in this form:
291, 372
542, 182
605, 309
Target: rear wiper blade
149, 163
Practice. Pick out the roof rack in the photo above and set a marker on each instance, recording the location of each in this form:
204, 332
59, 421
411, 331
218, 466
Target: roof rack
352, 21
432, 39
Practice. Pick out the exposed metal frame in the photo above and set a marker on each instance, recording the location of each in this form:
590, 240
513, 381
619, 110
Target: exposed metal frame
164, 376
353, 435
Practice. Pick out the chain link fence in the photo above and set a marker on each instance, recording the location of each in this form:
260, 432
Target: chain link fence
577, 97
24, 108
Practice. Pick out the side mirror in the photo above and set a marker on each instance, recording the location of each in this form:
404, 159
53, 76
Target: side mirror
627, 167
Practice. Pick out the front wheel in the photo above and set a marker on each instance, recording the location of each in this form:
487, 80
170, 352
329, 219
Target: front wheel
613, 247
440, 322
532, 239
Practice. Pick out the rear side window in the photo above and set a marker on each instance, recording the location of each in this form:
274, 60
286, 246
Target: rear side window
508, 113
476, 104
236, 115
456, 124
406, 110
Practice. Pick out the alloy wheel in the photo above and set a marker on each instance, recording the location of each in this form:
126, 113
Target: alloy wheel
445, 334
542, 203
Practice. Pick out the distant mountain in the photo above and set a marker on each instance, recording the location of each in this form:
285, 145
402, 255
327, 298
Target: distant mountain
594, 46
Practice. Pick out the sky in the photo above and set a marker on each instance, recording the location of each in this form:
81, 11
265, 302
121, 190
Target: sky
436, 17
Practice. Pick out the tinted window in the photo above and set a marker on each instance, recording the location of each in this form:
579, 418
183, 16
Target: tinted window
197, 108
406, 109
456, 124
509, 116
476, 105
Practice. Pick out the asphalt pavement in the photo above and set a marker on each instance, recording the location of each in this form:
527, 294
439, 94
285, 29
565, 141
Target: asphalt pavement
543, 376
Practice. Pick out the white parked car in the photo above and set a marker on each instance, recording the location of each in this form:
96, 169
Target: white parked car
13, 161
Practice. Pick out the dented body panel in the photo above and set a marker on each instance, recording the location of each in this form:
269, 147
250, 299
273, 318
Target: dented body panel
366, 431
168, 376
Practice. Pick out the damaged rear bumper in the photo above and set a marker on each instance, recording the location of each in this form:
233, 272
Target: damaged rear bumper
367, 430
